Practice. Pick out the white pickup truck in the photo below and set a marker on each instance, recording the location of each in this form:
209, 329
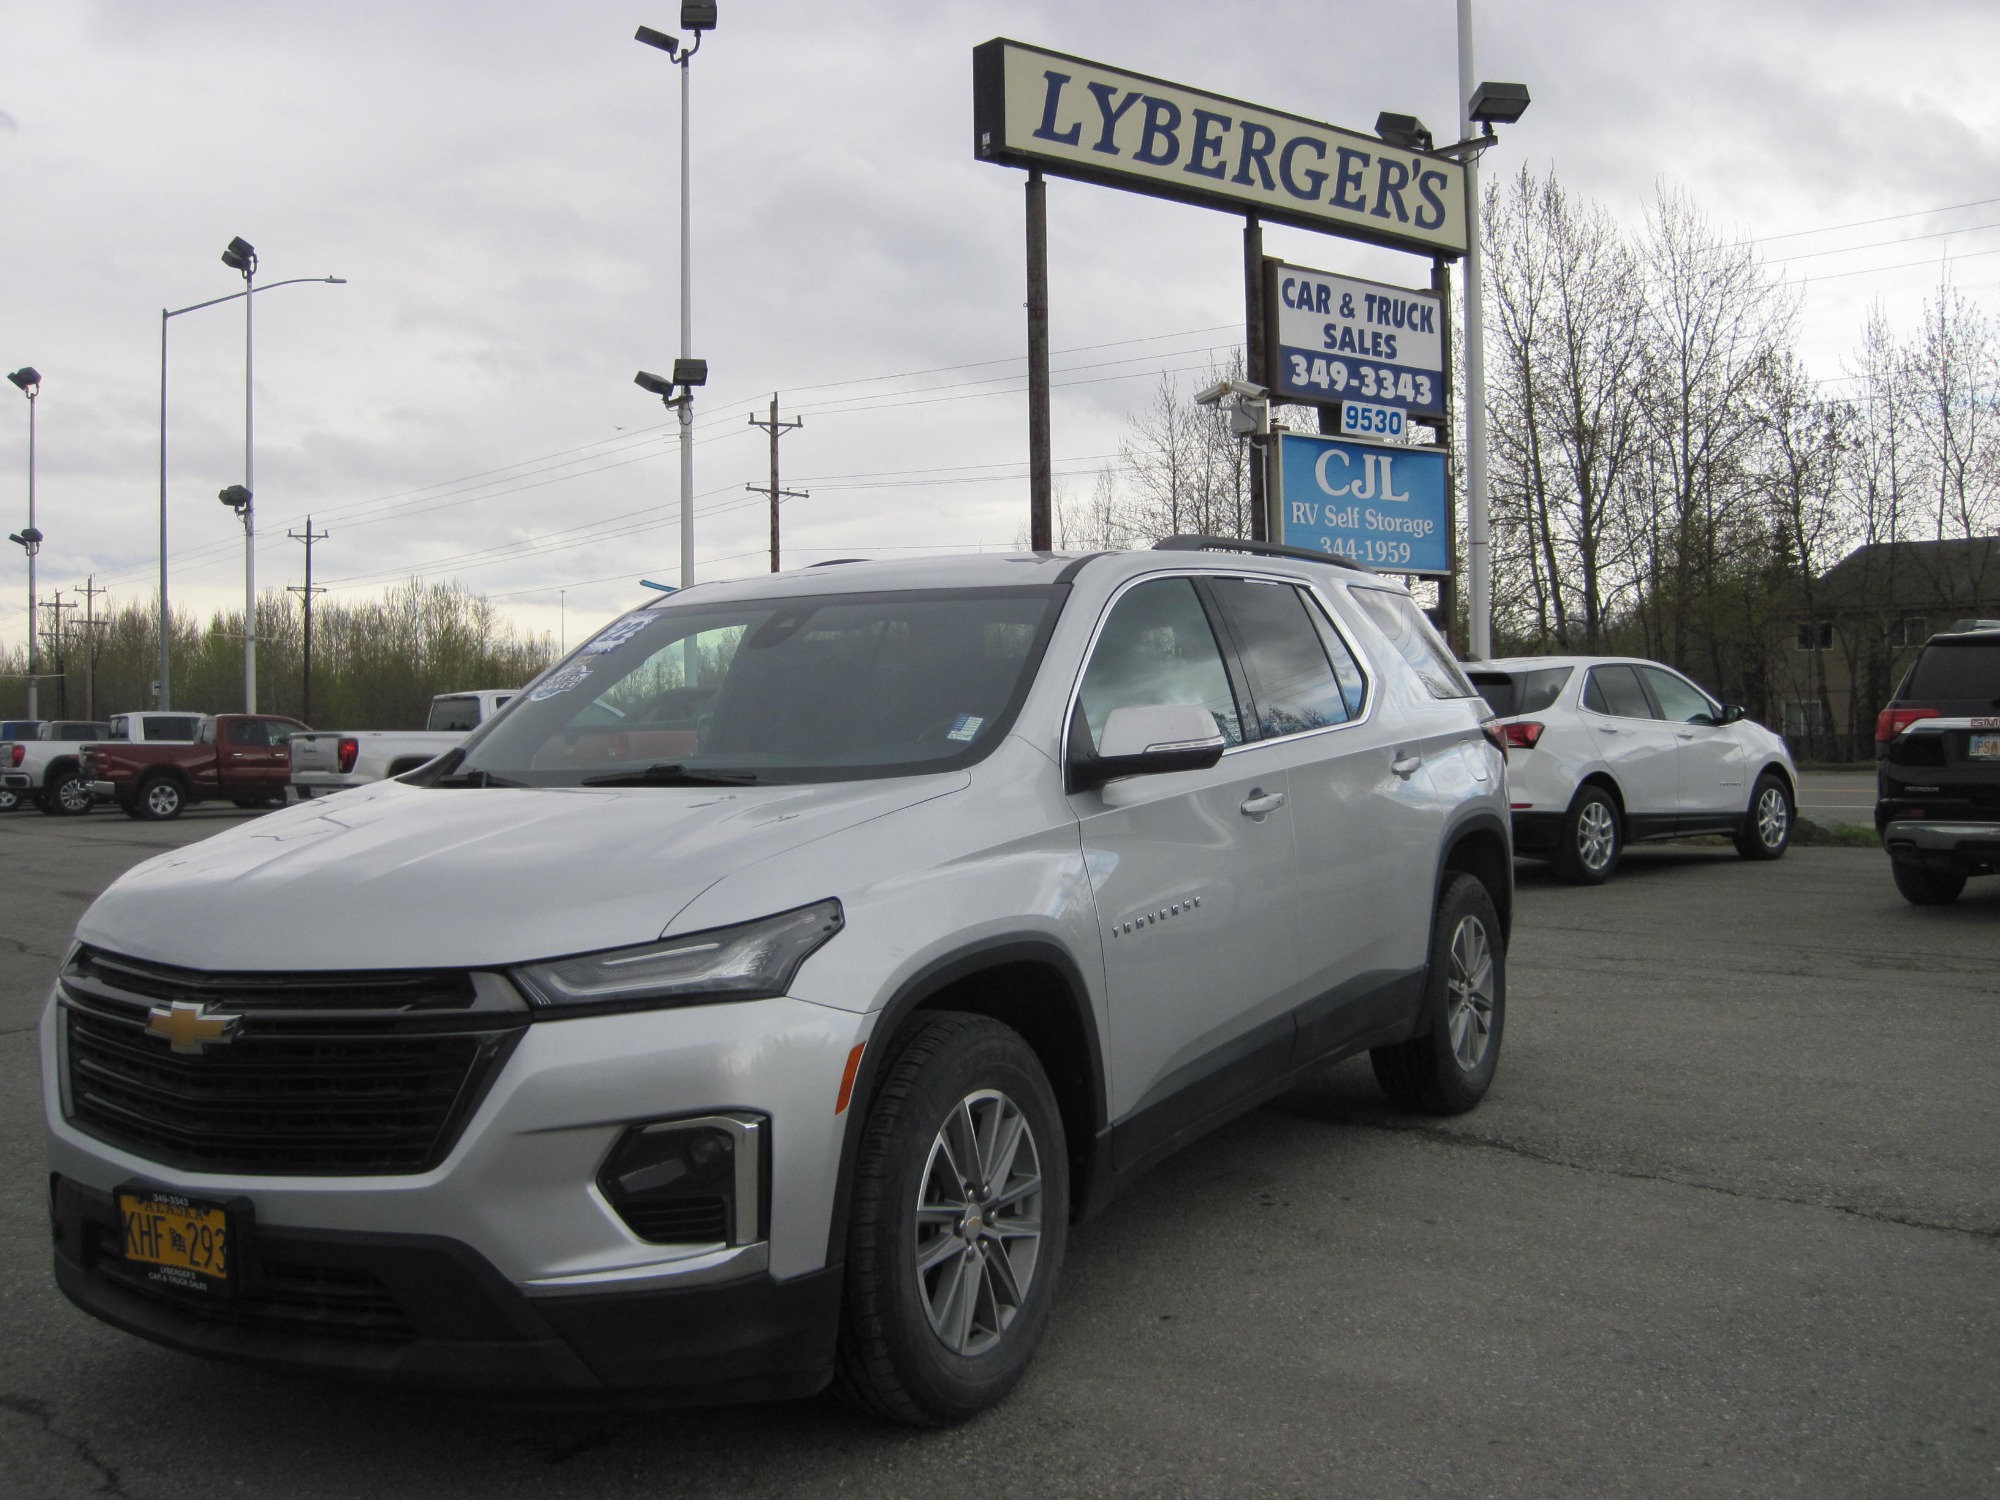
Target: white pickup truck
332, 760
46, 767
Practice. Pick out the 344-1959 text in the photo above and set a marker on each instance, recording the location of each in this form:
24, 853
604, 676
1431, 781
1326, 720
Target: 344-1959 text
1369, 550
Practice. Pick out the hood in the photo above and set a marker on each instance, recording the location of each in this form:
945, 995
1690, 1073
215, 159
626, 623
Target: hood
395, 876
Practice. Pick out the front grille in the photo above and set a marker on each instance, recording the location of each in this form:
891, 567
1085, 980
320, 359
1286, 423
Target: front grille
278, 1295
364, 989
305, 1088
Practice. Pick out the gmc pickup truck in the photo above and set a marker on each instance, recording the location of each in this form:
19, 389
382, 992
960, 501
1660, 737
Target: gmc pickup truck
241, 757
46, 766
332, 760
1937, 766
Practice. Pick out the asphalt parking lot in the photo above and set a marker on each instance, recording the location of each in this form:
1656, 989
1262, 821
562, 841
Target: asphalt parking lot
1728, 1224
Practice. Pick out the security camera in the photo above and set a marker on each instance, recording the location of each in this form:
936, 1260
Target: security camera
1241, 389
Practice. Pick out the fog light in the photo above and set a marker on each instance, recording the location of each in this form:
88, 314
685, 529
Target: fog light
689, 1182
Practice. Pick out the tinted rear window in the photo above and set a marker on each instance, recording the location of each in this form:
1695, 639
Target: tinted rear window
1511, 693
1969, 671
170, 729
454, 715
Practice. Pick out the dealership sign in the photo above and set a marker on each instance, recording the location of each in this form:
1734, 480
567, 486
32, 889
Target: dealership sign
1337, 338
1082, 119
1384, 506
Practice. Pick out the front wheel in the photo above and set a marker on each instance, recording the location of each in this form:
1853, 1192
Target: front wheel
161, 799
957, 1225
1587, 849
1767, 831
9, 799
1922, 887
71, 795
1448, 1069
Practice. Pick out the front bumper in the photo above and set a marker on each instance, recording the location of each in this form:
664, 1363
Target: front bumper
104, 791
504, 1264
1952, 846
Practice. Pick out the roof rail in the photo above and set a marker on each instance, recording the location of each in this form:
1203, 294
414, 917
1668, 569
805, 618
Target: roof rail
1261, 549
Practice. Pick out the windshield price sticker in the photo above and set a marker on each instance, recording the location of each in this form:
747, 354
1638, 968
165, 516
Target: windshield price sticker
616, 634
1378, 505
1360, 419
1337, 336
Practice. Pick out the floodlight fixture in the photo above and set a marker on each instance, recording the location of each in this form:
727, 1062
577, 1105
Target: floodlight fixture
647, 381
1498, 103
671, 45
690, 372
29, 379
698, 15
1406, 131
236, 497
240, 255
28, 537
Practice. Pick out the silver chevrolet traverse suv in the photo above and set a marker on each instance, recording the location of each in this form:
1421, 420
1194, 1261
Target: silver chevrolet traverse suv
752, 1005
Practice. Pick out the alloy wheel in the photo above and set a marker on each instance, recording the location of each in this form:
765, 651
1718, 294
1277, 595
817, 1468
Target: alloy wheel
1596, 835
978, 1222
74, 795
1773, 817
1469, 993
163, 799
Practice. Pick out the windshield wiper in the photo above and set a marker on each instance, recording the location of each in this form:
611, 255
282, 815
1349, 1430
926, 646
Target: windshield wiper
671, 773
476, 779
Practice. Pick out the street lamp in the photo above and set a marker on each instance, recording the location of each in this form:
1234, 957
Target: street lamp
697, 16
29, 381
166, 689
1484, 104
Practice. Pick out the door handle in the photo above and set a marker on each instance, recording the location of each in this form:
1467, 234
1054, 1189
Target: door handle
1686, 734
1260, 802
1608, 729
1405, 766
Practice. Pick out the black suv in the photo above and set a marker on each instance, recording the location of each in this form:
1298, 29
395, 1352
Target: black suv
1937, 768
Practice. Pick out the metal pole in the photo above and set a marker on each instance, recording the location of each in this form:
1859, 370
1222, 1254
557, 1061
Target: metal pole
774, 481
1041, 474
249, 520
166, 699
1478, 540
306, 688
1254, 360
687, 346
34, 695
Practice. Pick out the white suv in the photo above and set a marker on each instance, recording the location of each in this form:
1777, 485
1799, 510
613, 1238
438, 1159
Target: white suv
1604, 751
755, 1001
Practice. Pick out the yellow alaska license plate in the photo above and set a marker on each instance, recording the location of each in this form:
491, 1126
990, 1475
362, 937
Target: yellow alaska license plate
181, 1241
1985, 747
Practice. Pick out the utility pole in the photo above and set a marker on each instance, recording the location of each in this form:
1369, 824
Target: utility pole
777, 430
90, 591
55, 607
308, 537
1478, 538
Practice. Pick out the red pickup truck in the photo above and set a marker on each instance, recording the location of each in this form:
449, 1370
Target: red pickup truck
243, 757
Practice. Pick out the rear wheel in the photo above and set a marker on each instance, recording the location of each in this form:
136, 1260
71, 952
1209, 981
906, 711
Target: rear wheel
1922, 887
957, 1225
1587, 849
9, 799
1767, 831
161, 799
71, 794
1448, 1069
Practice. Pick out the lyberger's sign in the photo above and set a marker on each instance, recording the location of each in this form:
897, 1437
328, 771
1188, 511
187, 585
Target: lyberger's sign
1082, 119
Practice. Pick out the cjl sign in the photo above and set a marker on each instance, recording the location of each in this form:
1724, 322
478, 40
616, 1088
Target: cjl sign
1384, 506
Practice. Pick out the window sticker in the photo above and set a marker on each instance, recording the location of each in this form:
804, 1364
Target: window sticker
965, 728
616, 634
562, 681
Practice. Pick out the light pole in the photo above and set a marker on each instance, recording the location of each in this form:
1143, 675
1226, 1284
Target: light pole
241, 255
166, 690
1486, 105
29, 379
697, 16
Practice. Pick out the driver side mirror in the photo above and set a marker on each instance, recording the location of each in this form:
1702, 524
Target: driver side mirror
1148, 741
1732, 713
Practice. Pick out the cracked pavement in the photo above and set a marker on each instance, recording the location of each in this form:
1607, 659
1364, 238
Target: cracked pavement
1728, 1224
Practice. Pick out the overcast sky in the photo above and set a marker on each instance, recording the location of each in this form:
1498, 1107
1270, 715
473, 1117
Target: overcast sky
497, 182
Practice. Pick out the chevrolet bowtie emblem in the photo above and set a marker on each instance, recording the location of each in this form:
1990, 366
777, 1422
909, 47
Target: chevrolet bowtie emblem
191, 1028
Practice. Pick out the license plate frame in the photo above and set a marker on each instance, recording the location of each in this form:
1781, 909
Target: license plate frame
1983, 747
180, 1241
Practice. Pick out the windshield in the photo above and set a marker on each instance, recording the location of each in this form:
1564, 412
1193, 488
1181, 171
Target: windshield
832, 687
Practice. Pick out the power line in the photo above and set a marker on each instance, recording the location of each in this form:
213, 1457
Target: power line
1908, 239
1915, 213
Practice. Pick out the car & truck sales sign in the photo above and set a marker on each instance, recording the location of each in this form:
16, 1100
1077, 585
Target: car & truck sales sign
1380, 505
1337, 338
1082, 119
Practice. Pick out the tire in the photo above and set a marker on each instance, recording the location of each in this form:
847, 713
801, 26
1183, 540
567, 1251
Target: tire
9, 799
1922, 887
1591, 839
160, 799
1767, 829
71, 795
1448, 1069
131, 809
46, 804
912, 1348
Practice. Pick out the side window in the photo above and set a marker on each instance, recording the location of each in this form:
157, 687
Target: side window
248, 732
1615, 691
1157, 648
1678, 698
278, 731
1415, 641
1291, 681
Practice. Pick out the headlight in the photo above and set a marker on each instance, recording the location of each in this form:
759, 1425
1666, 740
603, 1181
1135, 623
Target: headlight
752, 961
